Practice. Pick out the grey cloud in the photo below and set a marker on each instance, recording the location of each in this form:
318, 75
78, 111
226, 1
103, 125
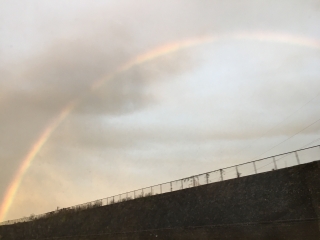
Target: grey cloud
66, 70
128, 90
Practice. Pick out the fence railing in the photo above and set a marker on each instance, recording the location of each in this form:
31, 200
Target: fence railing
275, 162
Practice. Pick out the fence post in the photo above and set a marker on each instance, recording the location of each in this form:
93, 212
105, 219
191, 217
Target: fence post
275, 164
238, 175
255, 168
298, 160
221, 175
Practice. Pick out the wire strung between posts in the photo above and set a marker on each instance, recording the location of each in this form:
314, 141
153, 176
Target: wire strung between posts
93, 203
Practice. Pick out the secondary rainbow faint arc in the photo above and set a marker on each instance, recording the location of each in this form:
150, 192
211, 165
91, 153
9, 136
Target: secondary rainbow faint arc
140, 59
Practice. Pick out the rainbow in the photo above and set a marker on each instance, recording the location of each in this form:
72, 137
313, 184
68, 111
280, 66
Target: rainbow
140, 59
14, 185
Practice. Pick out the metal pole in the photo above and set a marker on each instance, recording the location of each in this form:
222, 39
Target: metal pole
298, 160
221, 175
238, 175
275, 164
255, 168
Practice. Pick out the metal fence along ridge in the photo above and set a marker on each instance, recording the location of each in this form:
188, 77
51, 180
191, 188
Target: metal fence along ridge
272, 163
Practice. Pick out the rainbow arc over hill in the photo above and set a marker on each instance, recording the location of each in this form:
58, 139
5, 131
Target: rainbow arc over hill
169, 48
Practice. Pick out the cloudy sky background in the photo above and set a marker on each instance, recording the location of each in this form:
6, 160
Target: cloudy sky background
194, 110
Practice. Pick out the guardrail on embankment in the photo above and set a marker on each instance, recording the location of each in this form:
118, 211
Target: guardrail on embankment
275, 162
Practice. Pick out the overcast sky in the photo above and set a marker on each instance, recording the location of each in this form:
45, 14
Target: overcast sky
193, 110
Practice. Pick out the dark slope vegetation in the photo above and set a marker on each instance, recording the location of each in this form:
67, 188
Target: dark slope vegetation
282, 204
